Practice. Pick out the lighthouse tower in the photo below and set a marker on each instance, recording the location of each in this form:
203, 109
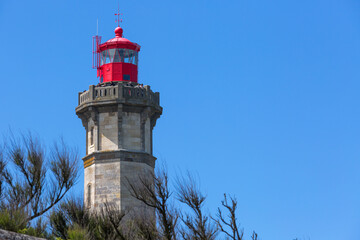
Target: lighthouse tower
119, 115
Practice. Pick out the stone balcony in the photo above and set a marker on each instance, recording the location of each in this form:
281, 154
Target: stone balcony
132, 94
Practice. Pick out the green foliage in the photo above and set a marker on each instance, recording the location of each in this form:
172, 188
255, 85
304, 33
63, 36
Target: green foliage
71, 220
38, 230
15, 221
12, 220
31, 232
69, 217
59, 225
77, 233
100, 228
32, 182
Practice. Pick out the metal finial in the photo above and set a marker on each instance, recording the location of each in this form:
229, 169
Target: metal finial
118, 14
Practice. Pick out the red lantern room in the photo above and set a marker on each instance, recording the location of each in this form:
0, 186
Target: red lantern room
116, 59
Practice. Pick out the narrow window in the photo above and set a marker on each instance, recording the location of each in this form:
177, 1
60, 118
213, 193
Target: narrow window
103, 57
107, 58
136, 58
117, 56
89, 196
126, 77
121, 54
92, 136
112, 53
127, 56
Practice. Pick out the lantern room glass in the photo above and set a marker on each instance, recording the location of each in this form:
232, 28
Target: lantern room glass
118, 55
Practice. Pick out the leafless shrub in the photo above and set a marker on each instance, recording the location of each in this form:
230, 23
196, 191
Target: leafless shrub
154, 192
109, 222
106, 224
229, 221
2, 172
254, 236
198, 225
29, 186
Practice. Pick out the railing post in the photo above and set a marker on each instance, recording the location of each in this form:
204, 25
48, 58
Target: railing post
147, 93
79, 102
157, 100
120, 91
91, 92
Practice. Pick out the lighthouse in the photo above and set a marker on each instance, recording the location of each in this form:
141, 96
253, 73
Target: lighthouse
119, 115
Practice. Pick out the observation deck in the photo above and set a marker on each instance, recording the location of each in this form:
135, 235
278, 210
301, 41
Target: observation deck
119, 92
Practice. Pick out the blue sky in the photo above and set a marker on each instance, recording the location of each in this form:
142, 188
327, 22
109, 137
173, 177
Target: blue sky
260, 97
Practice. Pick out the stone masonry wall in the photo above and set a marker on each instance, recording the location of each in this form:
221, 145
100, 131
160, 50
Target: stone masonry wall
108, 131
131, 131
107, 183
148, 134
89, 185
131, 171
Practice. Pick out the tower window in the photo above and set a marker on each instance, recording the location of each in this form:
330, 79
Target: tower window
89, 195
126, 77
92, 136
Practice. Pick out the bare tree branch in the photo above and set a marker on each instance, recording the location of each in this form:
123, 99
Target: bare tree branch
2, 172
25, 184
230, 221
64, 176
115, 216
154, 192
199, 225
254, 236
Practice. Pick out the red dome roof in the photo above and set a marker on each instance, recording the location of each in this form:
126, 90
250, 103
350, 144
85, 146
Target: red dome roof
119, 42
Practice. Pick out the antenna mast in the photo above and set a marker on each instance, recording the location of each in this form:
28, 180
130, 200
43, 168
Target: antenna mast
95, 47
